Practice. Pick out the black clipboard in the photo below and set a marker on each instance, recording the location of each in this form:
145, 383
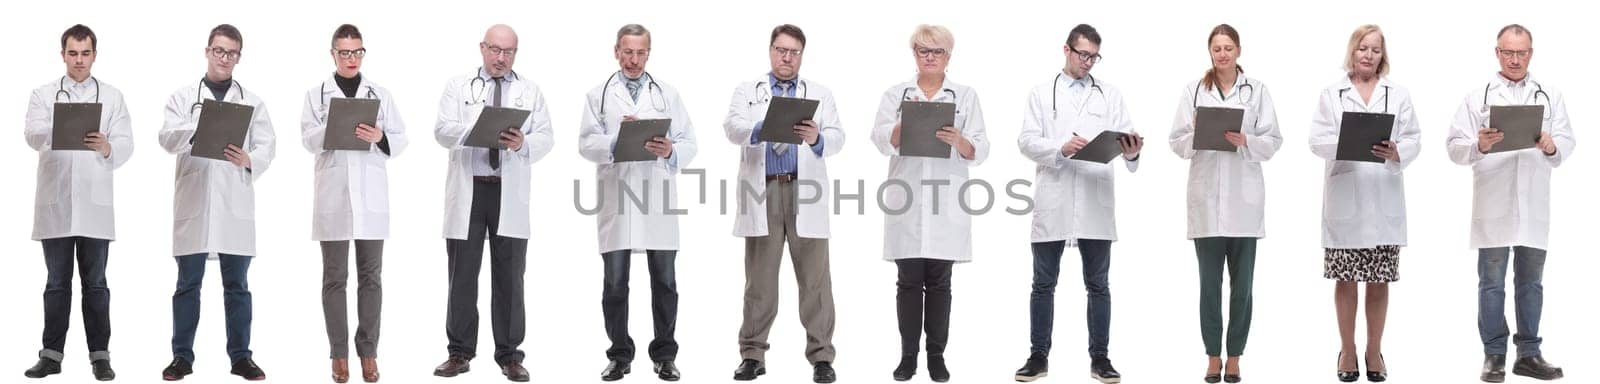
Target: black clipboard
221, 123
73, 121
783, 113
1359, 131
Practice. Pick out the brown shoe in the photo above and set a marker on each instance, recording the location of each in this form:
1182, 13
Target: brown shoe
456, 365
369, 369
341, 370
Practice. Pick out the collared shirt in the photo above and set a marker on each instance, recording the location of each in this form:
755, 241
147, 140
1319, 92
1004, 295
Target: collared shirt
480, 156
788, 162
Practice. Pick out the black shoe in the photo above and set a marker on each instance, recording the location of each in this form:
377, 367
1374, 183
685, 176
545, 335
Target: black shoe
45, 367
749, 369
1378, 376
1214, 378
1536, 367
514, 371
1100, 369
248, 369
907, 368
1038, 366
614, 371
822, 372
936, 369
1494, 369
453, 366
1231, 377
177, 370
1349, 376
102, 370
667, 371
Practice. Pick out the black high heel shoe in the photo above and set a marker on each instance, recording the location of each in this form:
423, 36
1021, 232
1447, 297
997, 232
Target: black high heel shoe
1230, 378
1347, 376
1215, 377
1378, 376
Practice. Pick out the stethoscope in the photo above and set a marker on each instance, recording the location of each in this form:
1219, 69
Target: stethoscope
323, 90
905, 95
1385, 98
479, 88
61, 89
768, 98
1239, 91
1538, 91
199, 95
1093, 84
653, 89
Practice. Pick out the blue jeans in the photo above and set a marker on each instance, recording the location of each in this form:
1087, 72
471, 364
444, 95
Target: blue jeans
235, 300
1041, 306
90, 254
1529, 269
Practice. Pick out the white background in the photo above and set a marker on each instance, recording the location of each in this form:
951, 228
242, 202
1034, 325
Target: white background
1441, 52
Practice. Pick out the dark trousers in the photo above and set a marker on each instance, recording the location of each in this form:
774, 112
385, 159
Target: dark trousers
1096, 284
663, 304
922, 303
507, 262
369, 296
236, 302
90, 254
1236, 256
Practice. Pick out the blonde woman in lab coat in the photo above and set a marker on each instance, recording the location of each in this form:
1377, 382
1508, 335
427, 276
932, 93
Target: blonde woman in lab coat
930, 235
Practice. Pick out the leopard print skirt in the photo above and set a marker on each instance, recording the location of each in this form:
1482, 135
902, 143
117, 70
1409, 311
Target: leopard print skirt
1372, 265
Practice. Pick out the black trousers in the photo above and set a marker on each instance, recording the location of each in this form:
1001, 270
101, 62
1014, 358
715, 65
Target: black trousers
663, 304
922, 303
90, 254
508, 260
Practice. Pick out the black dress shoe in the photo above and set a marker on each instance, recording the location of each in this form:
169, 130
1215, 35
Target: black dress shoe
749, 369
102, 370
1378, 376
822, 373
1347, 376
907, 368
667, 371
248, 369
1494, 369
456, 365
1100, 369
1038, 366
45, 367
614, 371
176, 370
1214, 378
936, 369
514, 371
1231, 377
1536, 367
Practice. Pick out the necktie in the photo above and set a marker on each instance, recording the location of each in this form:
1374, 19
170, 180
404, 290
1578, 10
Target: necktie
633, 89
494, 155
783, 90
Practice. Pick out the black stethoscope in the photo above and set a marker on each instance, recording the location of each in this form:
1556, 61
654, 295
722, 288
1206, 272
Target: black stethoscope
768, 98
478, 87
61, 89
1385, 98
652, 89
1538, 91
1240, 91
1095, 85
905, 95
323, 92
199, 95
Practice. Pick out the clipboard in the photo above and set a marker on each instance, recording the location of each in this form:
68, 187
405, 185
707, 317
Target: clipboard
1210, 123
1105, 146
782, 114
1522, 124
344, 114
73, 121
221, 123
1359, 131
633, 135
493, 120
919, 123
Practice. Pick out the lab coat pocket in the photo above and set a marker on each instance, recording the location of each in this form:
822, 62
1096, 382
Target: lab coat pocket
100, 187
330, 198
375, 187
190, 195
1254, 188
52, 174
1103, 186
1339, 197
242, 197
1540, 199
1393, 199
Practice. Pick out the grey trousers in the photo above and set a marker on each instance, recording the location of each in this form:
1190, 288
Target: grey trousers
762, 258
369, 296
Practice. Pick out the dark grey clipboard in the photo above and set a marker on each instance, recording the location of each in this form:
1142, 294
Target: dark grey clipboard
221, 123
919, 123
73, 121
782, 115
1522, 125
1359, 131
632, 136
344, 114
1210, 123
1105, 146
493, 120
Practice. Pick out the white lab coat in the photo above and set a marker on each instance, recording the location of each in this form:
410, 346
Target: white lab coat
351, 189
1076, 199
1364, 204
622, 223
73, 196
1510, 190
748, 107
463, 100
1227, 193
214, 208
934, 225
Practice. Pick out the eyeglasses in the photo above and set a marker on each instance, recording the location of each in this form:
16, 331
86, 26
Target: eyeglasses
497, 51
220, 53
1085, 56
1506, 53
931, 52
785, 52
351, 53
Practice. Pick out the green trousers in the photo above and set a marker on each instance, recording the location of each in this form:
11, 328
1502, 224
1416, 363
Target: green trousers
1238, 255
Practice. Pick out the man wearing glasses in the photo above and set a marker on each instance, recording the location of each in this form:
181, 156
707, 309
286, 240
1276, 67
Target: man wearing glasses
783, 199
1511, 203
214, 207
486, 199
